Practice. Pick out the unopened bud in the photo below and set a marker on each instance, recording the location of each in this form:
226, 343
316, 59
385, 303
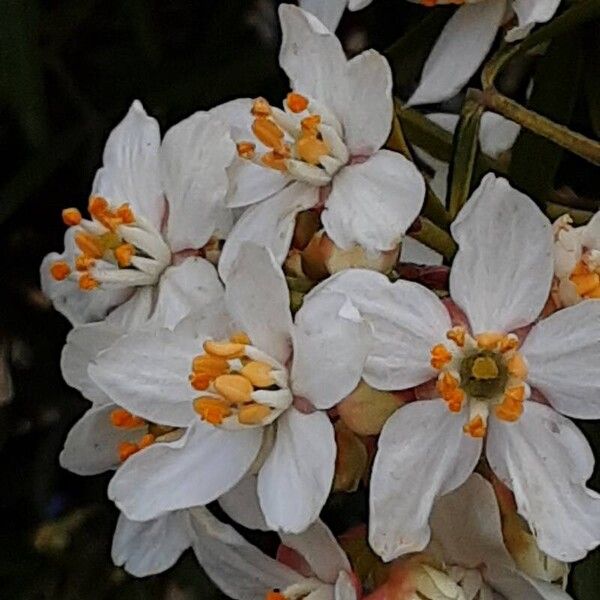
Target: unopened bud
351, 460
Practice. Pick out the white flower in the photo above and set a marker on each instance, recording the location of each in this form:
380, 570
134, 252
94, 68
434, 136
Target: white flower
500, 279
151, 205
322, 150
464, 42
224, 400
467, 557
577, 260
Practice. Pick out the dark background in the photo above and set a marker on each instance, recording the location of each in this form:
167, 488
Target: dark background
68, 73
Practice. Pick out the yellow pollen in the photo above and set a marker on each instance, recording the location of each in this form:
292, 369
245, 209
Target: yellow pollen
258, 373
260, 108
484, 367
146, 441
224, 349
457, 335
297, 102
87, 283
274, 160
123, 254
213, 410
71, 216
274, 595
125, 214
125, 420
253, 414
60, 270
489, 341
511, 407
246, 149
516, 366
475, 427
83, 262
126, 449
210, 365
200, 381
508, 343
586, 282
269, 133
448, 387
311, 124
440, 356
239, 337
310, 148
90, 245
235, 388
97, 206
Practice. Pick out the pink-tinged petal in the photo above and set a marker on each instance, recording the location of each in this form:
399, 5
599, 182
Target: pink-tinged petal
192, 471
194, 158
270, 224
373, 203
294, 482
502, 272
545, 460
257, 299
422, 454
131, 170
563, 354
458, 52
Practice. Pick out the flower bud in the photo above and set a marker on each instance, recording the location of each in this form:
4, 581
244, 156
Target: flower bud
351, 460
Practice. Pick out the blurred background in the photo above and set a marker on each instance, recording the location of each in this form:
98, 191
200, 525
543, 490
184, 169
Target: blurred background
68, 72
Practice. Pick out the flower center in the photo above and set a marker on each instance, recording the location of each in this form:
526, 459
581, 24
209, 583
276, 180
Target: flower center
243, 386
448, 583
304, 140
586, 275
486, 371
118, 249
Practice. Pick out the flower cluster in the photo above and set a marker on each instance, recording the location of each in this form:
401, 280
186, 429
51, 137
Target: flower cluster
244, 334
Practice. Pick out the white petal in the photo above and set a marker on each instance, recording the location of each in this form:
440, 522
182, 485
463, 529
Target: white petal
330, 348
248, 182
145, 548
422, 454
240, 570
295, 480
563, 355
367, 113
413, 251
344, 588
270, 224
546, 461
192, 471
329, 12
372, 204
529, 13
242, 505
257, 298
194, 157
147, 373
466, 524
591, 233
134, 313
92, 445
497, 134
131, 171
514, 585
407, 320
319, 548
458, 52
188, 287
502, 272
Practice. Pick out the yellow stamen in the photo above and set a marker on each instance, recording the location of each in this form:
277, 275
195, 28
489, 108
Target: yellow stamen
311, 124
449, 390
224, 349
269, 133
71, 216
125, 214
87, 282
475, 427
127, 449
274, 160
484, 367
593, 294
297, 102
488, 341
200, 381
516, 366
457, 335
235, 388
310, 149
90, 245
83, 262
258, 373
97, 206
274, 595
253, 414
123, 254
210, 365
213, 410
147, 440
125, 420
246, 149
440, 356
511, 407
260, 108
585, 282
239, 337
60, 270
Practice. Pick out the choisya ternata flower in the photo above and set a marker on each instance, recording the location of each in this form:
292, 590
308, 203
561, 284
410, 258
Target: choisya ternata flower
576, 261
466, 558
229, 394
323, 149
463, 43
151, 204
500, 279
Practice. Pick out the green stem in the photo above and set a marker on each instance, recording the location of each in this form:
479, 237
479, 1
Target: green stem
580, 217
436, 238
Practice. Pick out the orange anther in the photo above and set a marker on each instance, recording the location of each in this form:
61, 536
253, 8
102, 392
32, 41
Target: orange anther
311, 124
125, 214
211, 409
516, 366
489, 341
580, 269
224, 349
450, 391
585, 283
147, 440
440, 356
87, 283
508, 411
235, 388
123, 254
60, 270
310, 148
200, 381
258, 373
90, 245
457, 335
274, 160
71, 216
125, 420
239, 337
593, 294
83, 262
296, 102
253, 414
246, 149
475, 427
269, 133
515, 394
97, 206
275, 595
211, 365
126, 449
260, 108
508, 343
